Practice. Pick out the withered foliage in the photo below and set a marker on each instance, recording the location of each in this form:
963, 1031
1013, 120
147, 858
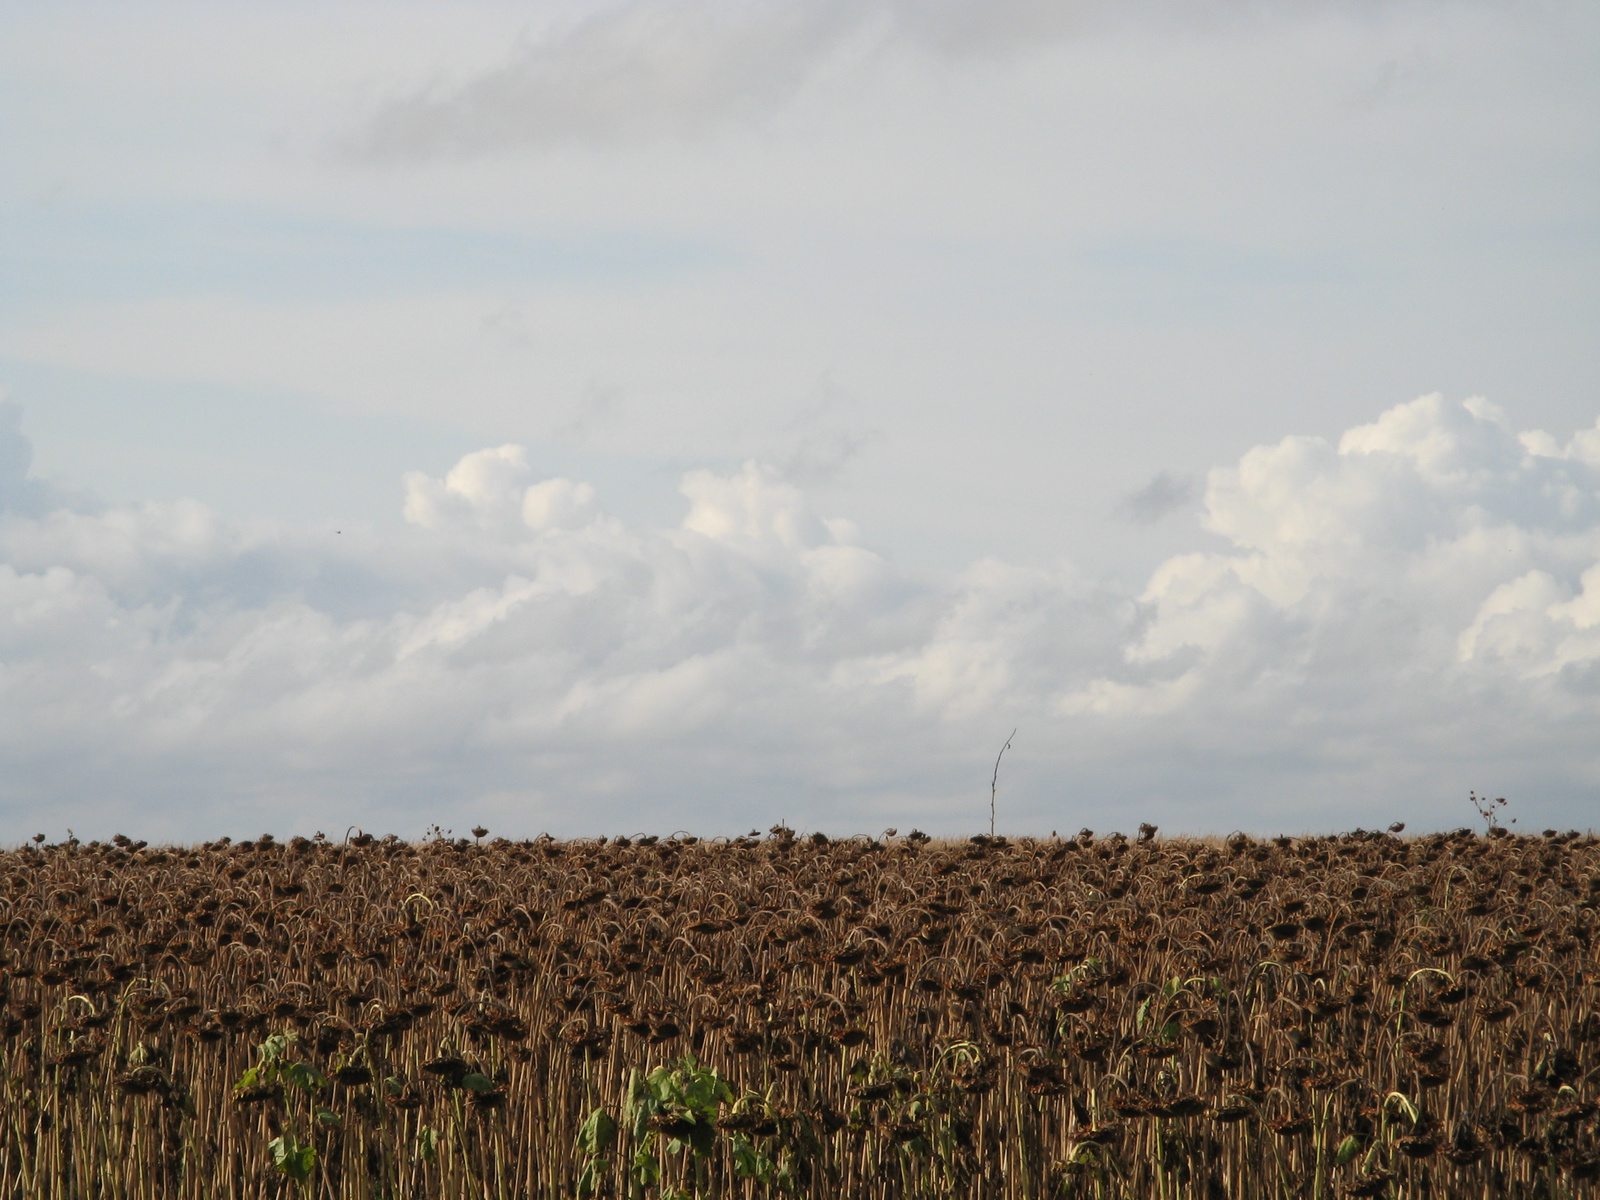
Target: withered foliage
1359, 1015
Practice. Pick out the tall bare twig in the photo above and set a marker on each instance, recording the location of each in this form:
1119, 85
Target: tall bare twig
994, 782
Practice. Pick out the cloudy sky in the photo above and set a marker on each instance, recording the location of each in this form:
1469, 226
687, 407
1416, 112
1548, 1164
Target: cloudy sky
658, 414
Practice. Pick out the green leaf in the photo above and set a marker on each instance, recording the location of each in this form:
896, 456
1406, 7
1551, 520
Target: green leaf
248, 1079
330, 1118
597, 1133
1347, 1150
750, 1163
646, 1168
787, 1175
292, 1159
589, 1181
393, 1085
428, 1143
639, 1105
477, 1083
304, 1076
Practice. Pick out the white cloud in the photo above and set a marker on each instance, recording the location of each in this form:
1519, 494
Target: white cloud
1433, 520
558, 504
1393, 619
482, 491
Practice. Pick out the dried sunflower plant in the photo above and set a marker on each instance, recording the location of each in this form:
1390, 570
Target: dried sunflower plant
1360, 1015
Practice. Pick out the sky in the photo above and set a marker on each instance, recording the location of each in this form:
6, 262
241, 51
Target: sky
698, 414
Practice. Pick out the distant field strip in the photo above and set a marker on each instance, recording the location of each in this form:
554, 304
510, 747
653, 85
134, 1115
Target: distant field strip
1362, 1015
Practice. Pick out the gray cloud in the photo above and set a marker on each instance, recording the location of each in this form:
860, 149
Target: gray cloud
18, 493
640, 71
1165, 494
651, 69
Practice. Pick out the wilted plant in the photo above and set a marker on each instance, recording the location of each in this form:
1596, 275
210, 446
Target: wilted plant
801, 1016
275, 1079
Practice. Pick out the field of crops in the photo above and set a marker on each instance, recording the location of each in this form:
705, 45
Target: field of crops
1363, 1015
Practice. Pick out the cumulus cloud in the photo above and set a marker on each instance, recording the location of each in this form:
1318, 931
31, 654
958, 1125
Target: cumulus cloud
1393, 618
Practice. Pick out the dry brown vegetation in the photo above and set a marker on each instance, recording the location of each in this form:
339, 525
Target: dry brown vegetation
1359, 1015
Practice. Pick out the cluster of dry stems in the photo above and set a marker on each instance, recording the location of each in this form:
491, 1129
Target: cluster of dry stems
1357, 1015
